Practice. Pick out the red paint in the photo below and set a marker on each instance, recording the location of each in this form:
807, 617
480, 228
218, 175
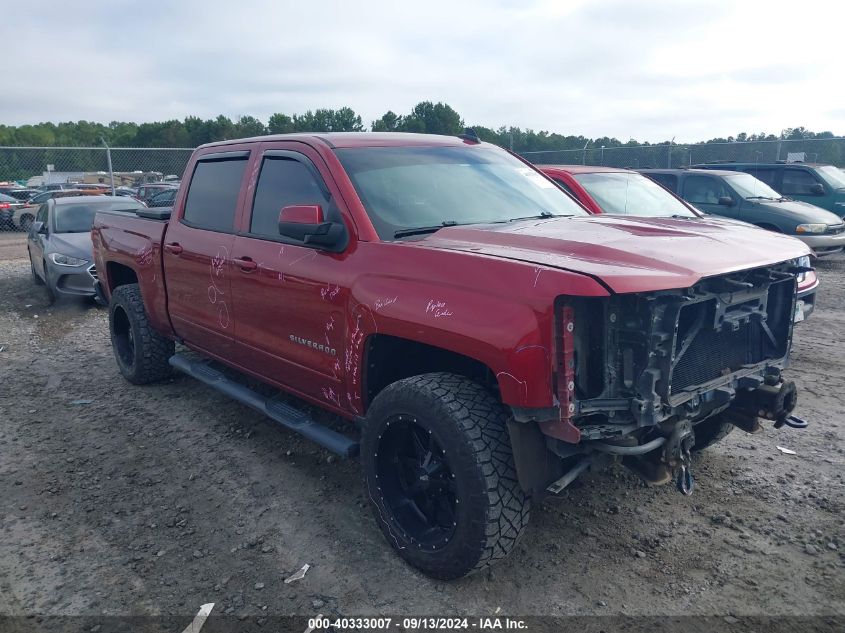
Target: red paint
302, 214
484, 292
566, 173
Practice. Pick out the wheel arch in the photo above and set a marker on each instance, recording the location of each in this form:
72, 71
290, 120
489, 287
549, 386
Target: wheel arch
387, 358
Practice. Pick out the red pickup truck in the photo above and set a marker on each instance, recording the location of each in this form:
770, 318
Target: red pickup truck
490, 338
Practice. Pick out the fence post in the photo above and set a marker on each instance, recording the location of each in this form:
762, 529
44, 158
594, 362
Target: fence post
108, 159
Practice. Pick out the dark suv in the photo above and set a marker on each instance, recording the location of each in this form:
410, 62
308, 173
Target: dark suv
743, 197
821, 185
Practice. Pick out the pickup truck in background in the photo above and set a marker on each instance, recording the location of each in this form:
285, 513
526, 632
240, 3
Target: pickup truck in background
489, 337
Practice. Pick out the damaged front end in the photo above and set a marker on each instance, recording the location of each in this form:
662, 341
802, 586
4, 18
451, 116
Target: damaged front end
636, 374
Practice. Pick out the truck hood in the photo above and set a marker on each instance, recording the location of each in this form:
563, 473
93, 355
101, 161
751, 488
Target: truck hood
72, 244
627, 254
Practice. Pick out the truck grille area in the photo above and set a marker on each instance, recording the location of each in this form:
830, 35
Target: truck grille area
648, 357
712, 354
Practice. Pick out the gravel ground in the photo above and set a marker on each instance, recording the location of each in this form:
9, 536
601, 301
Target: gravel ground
153, 500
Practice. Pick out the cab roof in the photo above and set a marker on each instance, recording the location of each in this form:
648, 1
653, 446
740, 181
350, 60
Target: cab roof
342, 140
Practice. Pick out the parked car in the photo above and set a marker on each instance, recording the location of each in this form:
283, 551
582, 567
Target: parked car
489, 337
21, 194
741, 196
24, 216
8, 206
163, 198
95, 188
820, 185
148, 190
626, 192
618, 191
126, 191
59, 242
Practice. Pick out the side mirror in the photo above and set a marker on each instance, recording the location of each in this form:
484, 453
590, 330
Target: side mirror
306, 223
817, 189
39, 227
726, 201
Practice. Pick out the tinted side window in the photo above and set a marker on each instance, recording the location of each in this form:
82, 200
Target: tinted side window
797, 182
704, 190
213, 194
565, 187
670, 181
766, 174
283, 182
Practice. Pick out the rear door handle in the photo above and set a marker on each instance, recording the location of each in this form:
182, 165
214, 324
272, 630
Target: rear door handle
173, 248
245, 264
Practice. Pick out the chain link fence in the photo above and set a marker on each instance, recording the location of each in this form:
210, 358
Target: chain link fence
829, 151
131, 166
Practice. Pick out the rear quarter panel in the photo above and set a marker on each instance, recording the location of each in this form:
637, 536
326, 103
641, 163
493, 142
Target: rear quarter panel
133, 242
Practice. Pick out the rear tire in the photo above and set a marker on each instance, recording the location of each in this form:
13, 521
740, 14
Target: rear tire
711, 431
141, 353
440, 475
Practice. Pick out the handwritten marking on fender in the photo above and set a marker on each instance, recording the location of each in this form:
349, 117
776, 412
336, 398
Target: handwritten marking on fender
438, 309
144, 256
329, 292
383, 303
537, 272
522, 383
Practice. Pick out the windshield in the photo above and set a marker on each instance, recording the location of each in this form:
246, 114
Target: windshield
78, 218
833, 176
631, 194
748, 186
412, 187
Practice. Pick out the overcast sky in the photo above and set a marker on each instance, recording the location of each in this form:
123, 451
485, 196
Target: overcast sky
639, 69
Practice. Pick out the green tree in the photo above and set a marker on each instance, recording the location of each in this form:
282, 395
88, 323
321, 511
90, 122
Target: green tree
280, 124
247, 126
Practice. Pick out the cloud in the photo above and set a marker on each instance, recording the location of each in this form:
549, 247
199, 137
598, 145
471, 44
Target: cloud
648, 70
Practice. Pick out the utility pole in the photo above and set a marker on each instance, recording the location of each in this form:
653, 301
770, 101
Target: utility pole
669, 154
108, 158
584, 156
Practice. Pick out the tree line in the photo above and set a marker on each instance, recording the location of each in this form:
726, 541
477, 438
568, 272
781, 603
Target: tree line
425, 117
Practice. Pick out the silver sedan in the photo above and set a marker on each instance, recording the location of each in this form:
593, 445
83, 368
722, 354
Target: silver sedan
59, 242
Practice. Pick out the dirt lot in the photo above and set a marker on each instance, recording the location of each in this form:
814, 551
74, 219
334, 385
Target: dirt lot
119, 499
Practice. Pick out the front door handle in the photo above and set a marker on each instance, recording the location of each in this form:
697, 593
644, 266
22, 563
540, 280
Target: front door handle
245, 264
173, 248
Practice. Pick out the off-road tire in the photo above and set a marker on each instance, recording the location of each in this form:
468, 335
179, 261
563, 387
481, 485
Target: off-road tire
141, 353
710, 432
492, 511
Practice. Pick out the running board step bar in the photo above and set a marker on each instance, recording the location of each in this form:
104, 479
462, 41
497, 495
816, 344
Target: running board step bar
288, 416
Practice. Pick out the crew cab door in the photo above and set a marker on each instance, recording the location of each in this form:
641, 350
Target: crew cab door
197, 252
291, 299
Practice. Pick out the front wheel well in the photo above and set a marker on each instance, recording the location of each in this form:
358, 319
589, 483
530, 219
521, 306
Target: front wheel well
120, 275
390, 358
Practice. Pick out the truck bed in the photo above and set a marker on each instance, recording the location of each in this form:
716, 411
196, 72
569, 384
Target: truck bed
126, 244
